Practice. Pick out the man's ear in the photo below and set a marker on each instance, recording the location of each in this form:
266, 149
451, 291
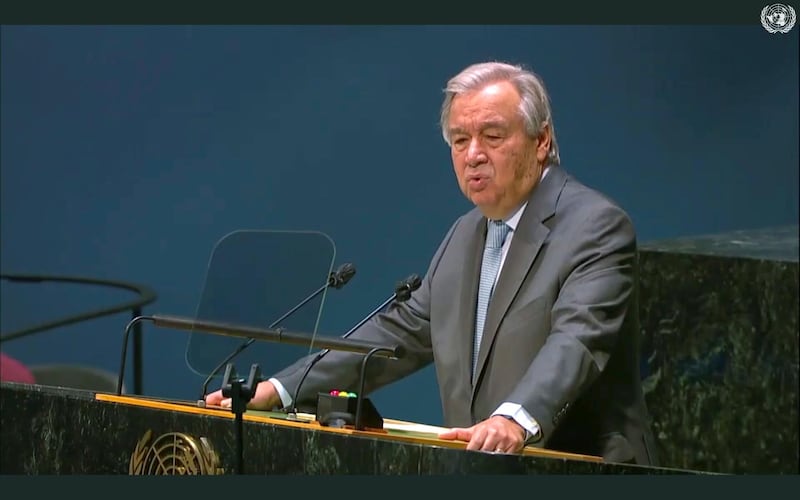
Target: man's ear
543, 146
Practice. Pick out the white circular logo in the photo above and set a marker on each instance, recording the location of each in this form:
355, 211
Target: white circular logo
778, 18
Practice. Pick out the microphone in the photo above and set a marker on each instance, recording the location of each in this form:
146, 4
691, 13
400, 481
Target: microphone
336, 279
402, 292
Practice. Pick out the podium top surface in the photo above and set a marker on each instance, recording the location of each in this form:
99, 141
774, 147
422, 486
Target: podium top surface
394, 430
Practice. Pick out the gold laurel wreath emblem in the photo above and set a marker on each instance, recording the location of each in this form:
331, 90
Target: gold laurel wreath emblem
173, 454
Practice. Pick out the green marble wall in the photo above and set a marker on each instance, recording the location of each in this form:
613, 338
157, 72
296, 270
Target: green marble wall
719, 321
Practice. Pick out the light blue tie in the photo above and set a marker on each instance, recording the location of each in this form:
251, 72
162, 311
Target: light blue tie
492, 254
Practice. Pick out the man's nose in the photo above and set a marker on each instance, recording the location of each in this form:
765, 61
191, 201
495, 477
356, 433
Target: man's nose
475, 153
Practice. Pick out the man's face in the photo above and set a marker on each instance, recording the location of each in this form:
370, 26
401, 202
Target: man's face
497, 164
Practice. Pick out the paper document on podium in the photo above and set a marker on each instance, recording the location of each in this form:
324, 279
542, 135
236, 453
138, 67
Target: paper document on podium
388, 423
392, 425
412, 427
260, 279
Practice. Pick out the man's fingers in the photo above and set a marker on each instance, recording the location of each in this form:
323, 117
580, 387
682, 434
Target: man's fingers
213, 398
478, 438
495, 436
456, 433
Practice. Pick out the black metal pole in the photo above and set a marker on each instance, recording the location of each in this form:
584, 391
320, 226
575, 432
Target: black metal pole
232, 387
137, 354
360, 394
239, 443
277, 335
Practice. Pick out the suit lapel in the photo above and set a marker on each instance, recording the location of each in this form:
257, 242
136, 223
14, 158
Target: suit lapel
525, 245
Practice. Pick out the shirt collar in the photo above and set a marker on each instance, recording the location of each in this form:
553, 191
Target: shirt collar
514, 218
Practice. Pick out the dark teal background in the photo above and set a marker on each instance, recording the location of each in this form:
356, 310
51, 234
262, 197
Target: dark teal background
127, 152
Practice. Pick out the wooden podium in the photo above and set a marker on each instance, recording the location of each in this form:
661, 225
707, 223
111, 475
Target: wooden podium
48, 430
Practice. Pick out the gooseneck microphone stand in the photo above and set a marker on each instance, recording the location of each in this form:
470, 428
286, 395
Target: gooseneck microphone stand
337, 279
401, 293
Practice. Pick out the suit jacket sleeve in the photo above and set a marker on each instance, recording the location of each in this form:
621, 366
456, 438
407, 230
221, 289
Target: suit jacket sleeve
406, 324
586, 317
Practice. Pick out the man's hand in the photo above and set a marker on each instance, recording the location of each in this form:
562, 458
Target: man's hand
265, 398
497, 434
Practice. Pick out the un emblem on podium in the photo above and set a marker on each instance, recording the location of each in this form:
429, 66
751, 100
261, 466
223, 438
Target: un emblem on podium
173, 454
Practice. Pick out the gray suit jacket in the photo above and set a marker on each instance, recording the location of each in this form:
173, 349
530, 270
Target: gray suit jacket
561, 336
